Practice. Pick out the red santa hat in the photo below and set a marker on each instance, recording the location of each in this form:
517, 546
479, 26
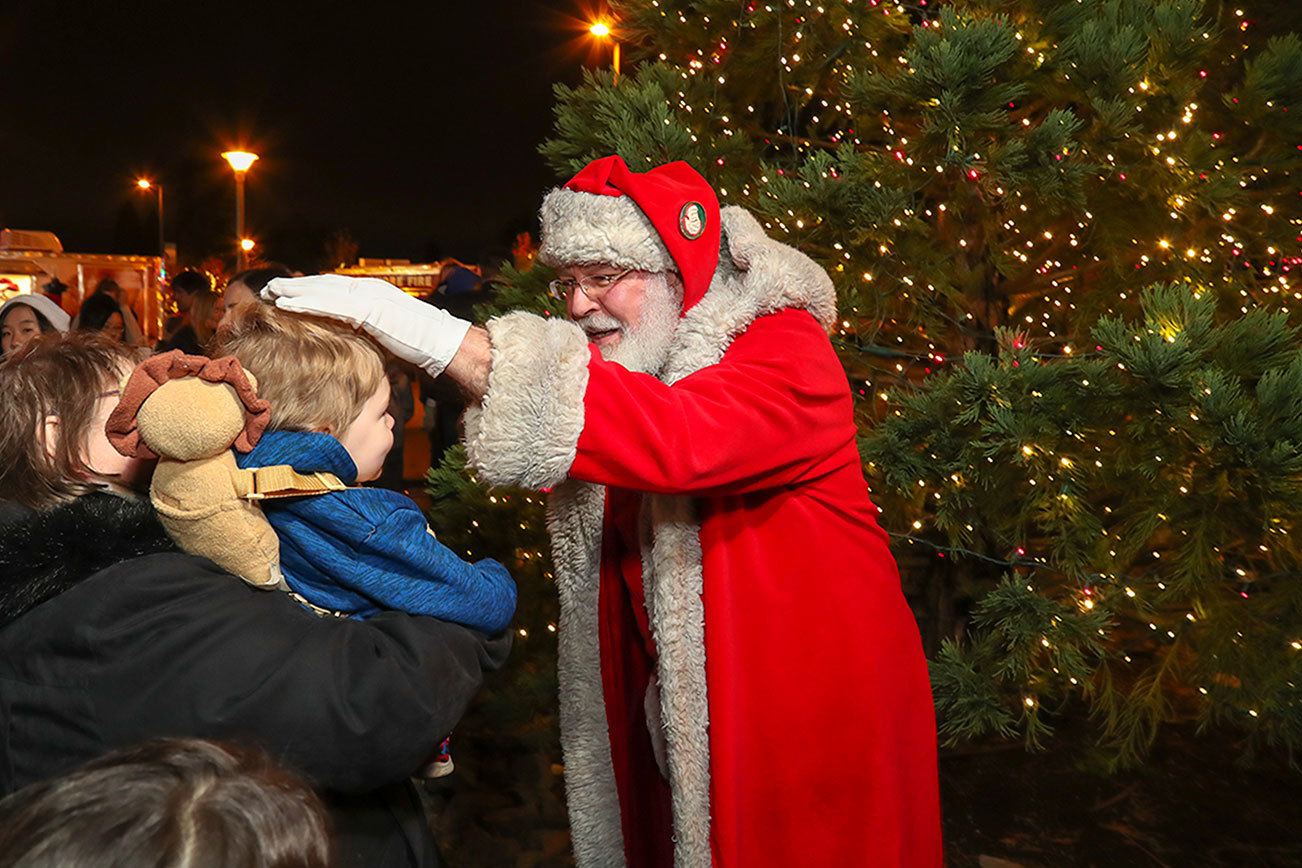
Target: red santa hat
666, 219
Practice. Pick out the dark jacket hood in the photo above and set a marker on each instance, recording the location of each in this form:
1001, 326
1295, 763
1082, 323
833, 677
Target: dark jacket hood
49, 552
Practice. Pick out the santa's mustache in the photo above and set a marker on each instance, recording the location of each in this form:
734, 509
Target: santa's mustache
595, 323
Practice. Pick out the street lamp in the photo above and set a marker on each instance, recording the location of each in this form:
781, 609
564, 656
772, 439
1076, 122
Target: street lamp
601, 30
146, 184
247, 245
240, 162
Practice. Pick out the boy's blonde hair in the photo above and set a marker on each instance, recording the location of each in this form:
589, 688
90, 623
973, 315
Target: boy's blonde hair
315, 372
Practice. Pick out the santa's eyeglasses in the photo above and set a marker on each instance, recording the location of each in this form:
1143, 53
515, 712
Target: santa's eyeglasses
594, 286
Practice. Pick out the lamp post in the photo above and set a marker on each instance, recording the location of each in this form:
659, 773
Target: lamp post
240, 162
146, 184
601, 30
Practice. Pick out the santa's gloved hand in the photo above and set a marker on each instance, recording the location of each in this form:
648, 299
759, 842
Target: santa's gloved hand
409, 328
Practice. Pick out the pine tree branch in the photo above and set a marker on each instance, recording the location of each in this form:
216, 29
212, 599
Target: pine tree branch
761, 135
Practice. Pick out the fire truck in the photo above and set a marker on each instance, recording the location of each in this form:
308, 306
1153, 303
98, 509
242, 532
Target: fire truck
35, 262
414, 278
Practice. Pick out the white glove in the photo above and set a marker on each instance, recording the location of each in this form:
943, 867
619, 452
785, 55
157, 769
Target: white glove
411, 329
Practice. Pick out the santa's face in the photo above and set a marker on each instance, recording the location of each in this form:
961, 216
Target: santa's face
634, 322
607, 319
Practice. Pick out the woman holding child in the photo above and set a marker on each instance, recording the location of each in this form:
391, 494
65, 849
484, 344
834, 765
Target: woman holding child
110, 636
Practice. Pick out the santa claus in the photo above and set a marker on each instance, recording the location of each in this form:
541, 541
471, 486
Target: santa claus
742, 682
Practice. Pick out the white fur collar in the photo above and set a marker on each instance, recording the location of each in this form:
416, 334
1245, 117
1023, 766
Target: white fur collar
756, 276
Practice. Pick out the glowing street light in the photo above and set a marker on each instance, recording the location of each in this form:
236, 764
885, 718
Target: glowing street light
146, 184
247, 244
240, 162
601, 30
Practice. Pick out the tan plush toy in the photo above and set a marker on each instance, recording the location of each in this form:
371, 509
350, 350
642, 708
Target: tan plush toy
189, 411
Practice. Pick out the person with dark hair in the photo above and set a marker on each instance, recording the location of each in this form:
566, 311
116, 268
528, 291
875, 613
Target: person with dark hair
459, 290
166, 803
402, 406
110, 635
185, 286
108, 286
132, 335
59, 391
102, 313
24, 317
246, 286
193, 337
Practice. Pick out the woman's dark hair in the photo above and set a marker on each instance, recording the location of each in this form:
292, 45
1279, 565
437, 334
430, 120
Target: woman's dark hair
96, 310
191, 281
200, 313
108, 286
165, 804
62, 376
256, 279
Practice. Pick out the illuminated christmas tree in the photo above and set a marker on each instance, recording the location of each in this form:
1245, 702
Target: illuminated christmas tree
1094, 486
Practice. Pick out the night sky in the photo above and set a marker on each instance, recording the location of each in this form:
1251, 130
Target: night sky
413, 126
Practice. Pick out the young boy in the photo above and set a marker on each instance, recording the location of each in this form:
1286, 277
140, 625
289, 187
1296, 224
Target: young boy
353, 552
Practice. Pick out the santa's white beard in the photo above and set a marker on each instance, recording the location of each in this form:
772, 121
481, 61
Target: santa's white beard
645, 346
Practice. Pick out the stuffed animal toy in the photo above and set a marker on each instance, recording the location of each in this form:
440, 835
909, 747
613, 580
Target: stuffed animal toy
189, 412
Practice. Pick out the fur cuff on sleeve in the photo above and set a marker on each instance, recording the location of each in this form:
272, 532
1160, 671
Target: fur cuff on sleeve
527, 429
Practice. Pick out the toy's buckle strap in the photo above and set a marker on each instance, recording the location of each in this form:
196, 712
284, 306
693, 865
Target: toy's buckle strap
281, 480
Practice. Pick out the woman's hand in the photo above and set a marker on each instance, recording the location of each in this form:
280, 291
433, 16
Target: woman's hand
411, 329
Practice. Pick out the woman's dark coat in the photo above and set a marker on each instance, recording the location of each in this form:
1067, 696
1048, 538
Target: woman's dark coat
109, 636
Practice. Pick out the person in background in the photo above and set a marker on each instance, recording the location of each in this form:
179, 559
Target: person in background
458, 292
402, 406
159, 643
27, 316
185, 286
203, 317
246, 286
165, 803
102, 313
132, 336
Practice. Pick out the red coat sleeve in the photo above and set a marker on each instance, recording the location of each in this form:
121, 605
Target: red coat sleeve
774, 410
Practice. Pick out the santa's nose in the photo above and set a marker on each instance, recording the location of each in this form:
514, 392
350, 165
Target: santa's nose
580, 305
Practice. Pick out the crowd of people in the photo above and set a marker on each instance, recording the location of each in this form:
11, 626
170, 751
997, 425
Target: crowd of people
200, 307
741, 681
273, 728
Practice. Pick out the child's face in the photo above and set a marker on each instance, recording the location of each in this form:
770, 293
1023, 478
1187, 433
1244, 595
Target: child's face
370, 436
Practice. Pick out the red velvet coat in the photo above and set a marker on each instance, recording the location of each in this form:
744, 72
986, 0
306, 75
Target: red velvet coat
712, 529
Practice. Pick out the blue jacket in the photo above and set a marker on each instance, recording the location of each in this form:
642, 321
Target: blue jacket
365, 550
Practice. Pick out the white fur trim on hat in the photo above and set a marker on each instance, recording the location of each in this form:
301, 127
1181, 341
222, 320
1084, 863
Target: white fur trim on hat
589, 229
47, 308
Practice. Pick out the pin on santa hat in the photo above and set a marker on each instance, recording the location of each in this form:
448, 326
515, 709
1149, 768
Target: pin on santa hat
666, 219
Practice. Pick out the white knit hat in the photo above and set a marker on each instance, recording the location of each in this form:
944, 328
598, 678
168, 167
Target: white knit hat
47, 308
